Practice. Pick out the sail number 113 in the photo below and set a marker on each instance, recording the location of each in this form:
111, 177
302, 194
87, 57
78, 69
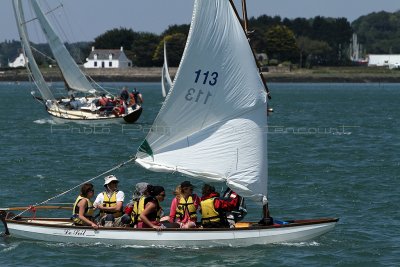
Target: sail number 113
210, 78
200, 95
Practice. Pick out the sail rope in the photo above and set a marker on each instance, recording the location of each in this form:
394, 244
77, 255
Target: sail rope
32, 207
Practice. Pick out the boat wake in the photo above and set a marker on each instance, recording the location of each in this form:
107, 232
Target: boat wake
45, 121
302, 244
8, 247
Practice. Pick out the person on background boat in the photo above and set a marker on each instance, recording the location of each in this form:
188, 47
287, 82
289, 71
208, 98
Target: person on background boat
82, 211
184, 206
214, 208
150, 216
136, 98
120, 108
240, 210
136, 206
110, 202
125, 94
103, 100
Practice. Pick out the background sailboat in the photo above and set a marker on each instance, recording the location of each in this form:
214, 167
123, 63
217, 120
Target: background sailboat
166, 82
74, 79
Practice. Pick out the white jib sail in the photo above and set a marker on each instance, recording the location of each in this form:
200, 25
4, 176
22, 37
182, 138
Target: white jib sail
32, 66
74, 77
213, 124
166, 82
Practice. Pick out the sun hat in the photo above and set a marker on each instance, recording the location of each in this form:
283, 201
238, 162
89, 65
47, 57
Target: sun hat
140, 188
108, 179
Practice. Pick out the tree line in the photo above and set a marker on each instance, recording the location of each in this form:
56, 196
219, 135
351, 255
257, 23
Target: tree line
318, 41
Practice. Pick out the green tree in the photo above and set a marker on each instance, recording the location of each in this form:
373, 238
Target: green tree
115, 38
175, 46
281, 44
313, 51
143, 48
379, 32
172, 29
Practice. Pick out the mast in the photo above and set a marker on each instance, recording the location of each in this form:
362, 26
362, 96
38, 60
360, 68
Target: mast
245, 29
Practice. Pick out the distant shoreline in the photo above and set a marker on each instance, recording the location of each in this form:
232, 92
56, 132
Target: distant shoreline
278, 75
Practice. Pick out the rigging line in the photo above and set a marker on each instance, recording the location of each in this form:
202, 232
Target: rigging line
48, 12
43, 54
77, 186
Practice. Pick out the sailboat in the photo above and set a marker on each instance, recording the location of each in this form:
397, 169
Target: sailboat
74, 108
166, 82
212, 127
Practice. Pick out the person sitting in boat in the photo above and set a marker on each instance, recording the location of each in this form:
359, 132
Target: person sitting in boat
184, 206
82, 211
125, 94
137, 98
103, 100
136, 206
150, 216
213, 208
120, 108
240, 210
110, 203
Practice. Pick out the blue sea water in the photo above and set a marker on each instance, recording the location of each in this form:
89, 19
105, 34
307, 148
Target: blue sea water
333, 152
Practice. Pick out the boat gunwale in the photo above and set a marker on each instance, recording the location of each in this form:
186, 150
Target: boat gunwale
254, 226
84, 118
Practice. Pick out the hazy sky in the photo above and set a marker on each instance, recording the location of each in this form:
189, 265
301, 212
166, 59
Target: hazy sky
90, 18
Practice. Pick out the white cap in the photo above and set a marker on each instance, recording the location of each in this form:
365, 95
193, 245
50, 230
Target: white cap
108, 179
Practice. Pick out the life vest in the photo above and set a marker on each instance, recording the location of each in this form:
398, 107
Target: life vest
138, 207
110, 202
240, 210
184, 205
103, 101
208, 212
88, 211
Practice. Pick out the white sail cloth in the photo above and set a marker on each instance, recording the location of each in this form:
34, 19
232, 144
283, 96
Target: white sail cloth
213, 124
32, 66
73, 76
166, 82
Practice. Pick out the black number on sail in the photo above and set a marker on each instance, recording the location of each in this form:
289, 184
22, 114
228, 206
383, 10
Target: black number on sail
213, 77
197, 96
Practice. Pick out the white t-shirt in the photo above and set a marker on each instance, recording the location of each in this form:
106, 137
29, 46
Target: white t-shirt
100, 198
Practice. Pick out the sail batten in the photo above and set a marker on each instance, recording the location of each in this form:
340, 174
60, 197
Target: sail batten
73, 76
213, 124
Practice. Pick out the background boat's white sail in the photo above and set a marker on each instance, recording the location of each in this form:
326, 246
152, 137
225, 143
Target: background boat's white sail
73, 76
213, 124
166, 82
32, 66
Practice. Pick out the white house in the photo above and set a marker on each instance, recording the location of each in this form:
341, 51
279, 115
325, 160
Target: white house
107, 58
20, 61
391, 61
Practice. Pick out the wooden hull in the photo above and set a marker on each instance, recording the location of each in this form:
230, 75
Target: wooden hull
82, 117
63, 231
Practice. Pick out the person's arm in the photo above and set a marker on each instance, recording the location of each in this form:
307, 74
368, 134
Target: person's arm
82, 207
150, 207
225, 205
172, 210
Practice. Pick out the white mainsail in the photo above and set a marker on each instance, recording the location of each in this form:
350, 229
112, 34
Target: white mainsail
31, 66
166, 82
213, 123
73, 76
